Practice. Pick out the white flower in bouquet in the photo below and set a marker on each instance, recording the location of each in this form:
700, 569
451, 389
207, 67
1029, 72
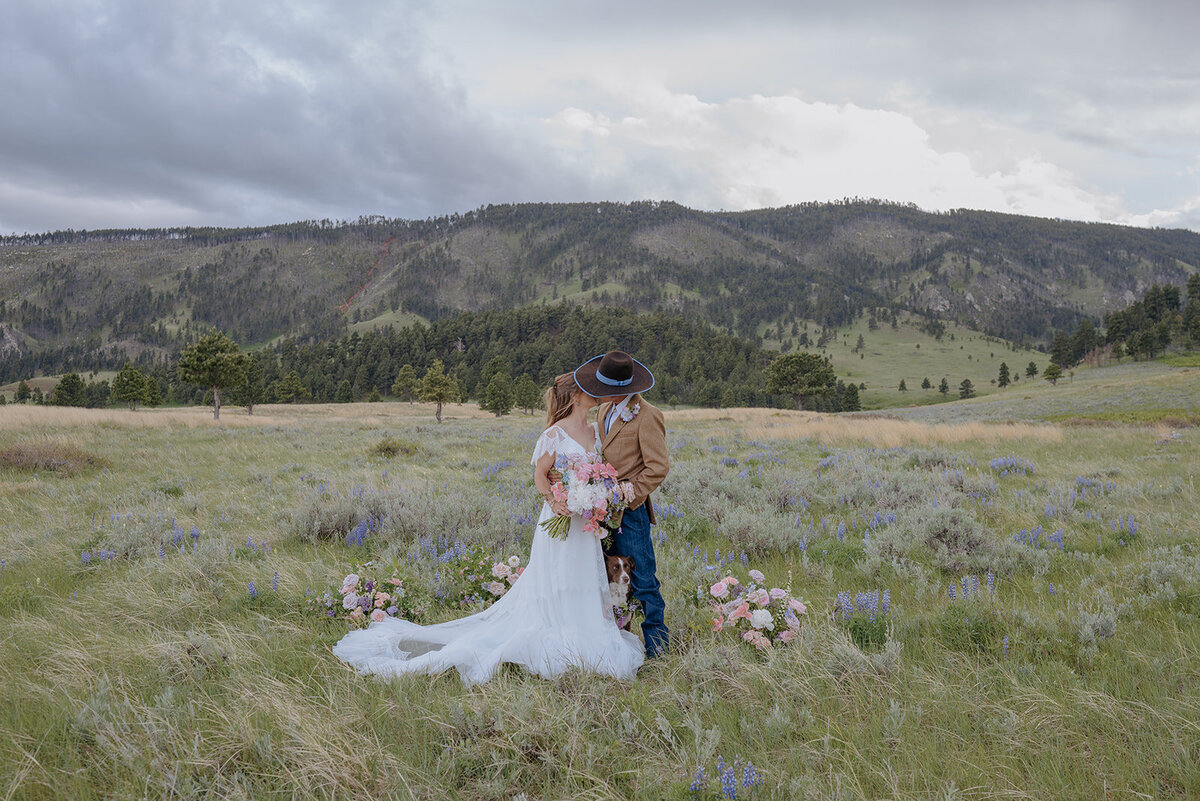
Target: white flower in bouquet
762, 619
350, 601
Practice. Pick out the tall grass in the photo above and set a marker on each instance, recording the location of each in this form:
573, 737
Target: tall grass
154, 673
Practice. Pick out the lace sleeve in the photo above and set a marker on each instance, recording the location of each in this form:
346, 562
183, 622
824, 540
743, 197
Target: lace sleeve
548, 442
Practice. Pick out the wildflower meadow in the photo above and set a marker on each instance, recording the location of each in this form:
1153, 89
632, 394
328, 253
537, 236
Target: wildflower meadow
958, 610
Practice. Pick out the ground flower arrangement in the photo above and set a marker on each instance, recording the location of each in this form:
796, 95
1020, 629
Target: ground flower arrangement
472, 582
762, 617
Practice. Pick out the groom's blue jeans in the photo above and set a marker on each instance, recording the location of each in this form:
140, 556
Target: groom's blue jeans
633, 539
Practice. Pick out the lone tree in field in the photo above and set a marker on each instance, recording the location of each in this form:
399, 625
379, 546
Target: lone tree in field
1053, 373
213, 362
903, 386
130, 386
1031, 370
966, 389
944, 387
437, 387
926, 384
526, 394
406, 383
802, 375
1002, 379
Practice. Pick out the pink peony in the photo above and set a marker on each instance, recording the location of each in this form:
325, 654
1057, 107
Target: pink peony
760, 597
743, 612
786, 636
719, 590
718, 623
378, 615
382, 596
777, 593
731, 581
379, 602
495, 588
357, 613
796, 606
757, 576
500, 570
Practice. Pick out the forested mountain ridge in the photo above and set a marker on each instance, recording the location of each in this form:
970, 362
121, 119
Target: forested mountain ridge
90, 299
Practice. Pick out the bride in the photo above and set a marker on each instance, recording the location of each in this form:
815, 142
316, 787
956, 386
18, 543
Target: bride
554, 618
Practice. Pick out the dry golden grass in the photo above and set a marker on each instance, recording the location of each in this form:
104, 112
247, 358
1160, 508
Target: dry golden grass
20, 416
48, 454
882, 432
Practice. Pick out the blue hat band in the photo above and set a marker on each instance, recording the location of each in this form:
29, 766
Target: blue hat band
612, 382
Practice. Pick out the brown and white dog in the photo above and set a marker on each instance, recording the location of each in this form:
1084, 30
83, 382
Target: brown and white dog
620, 574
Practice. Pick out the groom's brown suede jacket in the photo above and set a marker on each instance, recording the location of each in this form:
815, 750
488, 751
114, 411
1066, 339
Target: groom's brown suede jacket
638, 450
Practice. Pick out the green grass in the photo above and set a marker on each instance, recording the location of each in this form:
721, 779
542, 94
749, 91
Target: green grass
161, 677
908, 353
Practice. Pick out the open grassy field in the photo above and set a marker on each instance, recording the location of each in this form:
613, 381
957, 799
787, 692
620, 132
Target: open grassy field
995, 610
906, 352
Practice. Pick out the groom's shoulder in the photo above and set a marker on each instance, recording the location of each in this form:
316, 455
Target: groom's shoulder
650, 409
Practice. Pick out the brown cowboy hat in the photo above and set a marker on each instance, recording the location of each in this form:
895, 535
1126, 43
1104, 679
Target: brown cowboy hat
613, 373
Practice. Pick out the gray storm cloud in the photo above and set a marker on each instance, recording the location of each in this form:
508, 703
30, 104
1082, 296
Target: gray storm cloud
132, 113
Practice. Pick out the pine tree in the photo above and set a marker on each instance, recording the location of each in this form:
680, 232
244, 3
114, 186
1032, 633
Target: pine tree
1052, 373
926, 384
289, 389
23, 393
70, 391
850, 400
345, 393
944, 387
406, 383
1031, 370
903, 386
213, 362
526, 395
129, 386
437, 387
498, 396
966, 389
1002, 380
801, 375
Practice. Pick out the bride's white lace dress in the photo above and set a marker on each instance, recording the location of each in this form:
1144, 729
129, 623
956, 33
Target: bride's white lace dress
555, 617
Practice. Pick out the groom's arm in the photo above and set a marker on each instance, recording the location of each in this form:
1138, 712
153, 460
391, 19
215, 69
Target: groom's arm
652, 440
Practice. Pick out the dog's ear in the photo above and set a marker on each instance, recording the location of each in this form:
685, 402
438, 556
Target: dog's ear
631, 563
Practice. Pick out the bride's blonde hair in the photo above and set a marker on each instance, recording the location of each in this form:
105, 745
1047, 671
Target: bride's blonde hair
559, 398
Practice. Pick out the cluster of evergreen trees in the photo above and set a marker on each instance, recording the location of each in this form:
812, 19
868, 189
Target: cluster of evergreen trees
1164, 316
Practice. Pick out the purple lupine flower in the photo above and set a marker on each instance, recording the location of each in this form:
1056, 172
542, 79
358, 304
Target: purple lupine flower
253, 591
952, 591
85, 557
275, 581
750, 776
1006, 645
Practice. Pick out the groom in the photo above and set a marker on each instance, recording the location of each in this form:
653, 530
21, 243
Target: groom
634, 441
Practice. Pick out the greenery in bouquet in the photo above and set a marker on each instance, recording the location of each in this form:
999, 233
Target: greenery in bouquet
762, 616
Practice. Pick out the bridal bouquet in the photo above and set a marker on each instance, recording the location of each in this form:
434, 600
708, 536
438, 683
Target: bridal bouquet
590, 489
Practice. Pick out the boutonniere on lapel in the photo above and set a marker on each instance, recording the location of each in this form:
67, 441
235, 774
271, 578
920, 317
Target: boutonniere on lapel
629, 414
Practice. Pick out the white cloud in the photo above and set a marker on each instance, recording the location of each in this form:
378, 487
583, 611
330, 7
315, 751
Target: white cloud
766, 151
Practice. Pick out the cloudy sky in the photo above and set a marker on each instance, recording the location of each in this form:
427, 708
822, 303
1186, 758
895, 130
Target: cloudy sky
139, 113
